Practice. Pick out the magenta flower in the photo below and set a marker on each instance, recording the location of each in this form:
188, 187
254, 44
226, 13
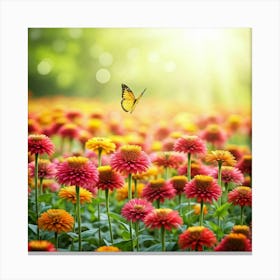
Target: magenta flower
77, 171
229, 174
40, 144
130, 159
46, 169
136, 209
167, 159
190, 145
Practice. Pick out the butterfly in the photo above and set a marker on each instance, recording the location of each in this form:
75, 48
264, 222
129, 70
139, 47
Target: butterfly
129, 101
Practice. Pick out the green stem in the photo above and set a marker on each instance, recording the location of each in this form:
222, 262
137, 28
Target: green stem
41, 186
61, 145
131, 236
129, 186
56, 240
189, 167
242, 215
99, 157
137, 233
201, 213
70, 144
166, 173
36, 193
163, 238
135, 188
78, 216
108, 214
98, 218
180, 201
220, 179
226, 192
158, 203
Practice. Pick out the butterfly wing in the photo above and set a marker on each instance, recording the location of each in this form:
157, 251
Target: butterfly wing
128, 99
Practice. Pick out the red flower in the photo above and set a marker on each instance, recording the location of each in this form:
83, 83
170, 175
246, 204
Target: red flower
77, 171
109, 178
229, 174
245, 164
158, 190
190, 145
40, 144
167, 159
204, 188
234, 242
130, 159
41, 245
69, 130
137, 209
196, 169
178, 183
241, 196
46, 169
214, 134
163, 217
196, 237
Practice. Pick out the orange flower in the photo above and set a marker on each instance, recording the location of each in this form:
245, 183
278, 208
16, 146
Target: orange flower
69, 193
221, 156
57, 220
40, 245
103, 144
108, 249
196, 209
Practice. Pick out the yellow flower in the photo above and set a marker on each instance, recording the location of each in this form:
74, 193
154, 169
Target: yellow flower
108, 249
122, 193
94, 125
57, 220
196, 209
69, 193
103, 144
221, 156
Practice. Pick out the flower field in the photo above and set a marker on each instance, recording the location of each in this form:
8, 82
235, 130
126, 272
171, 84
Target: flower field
164, 178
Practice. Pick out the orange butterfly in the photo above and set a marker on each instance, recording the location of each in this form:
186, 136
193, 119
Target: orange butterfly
129, 101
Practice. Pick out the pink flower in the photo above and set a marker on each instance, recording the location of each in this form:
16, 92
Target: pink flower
46, 169
214, 134
137, 209
77, 171
196, 169
109, 178
130, 159
40, 144
204, 188
163, 217
245, 164
167, 159
178, 183
158, 190
229, 174
190, 145
69, 130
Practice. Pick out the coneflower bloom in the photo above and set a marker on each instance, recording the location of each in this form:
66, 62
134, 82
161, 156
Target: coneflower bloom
214, 134
46, 169
108, 249
77, 171
109, 178
69, 194
229, 175
203, 188
221, 157
167, 159
190, 144
101, 144
245, 164
130, 159
158, 190
40, 144
41, 245
234, 242
56, 220
163, 217
241, 196
137, 209
196, 237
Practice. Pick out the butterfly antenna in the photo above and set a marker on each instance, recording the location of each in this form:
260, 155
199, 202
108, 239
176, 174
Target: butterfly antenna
143, 92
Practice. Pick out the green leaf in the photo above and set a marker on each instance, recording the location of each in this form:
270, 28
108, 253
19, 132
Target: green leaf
117, 217
125, 235
88, 233
33, 228
47, 197
73, 235
222, 211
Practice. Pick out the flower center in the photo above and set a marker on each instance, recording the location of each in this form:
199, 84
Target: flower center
195, 229
157, 183
163, 211
77, 162
203, 181
105, 172
130, 152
